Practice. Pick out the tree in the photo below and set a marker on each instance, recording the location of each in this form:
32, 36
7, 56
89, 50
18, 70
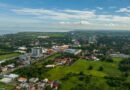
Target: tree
100, 68
90, 67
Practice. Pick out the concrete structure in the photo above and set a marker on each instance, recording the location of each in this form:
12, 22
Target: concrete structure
92, 39
120, 55
22, 49
60, 48
12, 76
6, 80
50, 66
25, 58
73, 51
43, 37
36, 52
22, 79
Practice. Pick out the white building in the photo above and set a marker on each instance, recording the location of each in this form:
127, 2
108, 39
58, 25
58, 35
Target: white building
25, 58
73, 51
37, 52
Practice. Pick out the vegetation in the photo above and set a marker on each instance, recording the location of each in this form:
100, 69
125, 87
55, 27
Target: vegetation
107, 74
6, 87
125, 65
8, 56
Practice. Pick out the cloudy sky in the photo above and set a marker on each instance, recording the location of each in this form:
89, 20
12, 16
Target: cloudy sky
64, 15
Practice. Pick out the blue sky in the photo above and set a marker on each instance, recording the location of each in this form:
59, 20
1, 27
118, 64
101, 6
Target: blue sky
64, 15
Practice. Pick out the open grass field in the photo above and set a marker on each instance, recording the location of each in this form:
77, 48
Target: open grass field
81, 65
6, 87
7, 56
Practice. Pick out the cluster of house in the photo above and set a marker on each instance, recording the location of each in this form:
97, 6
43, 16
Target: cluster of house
63, 61
22, 83
8, 78
60, 61
36, 84
37, 52
8, 67
60, 48
120, 55
92, 57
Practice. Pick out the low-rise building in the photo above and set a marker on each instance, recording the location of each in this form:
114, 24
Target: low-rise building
25, 59
22, 79
73, 51
12, 76
50, 66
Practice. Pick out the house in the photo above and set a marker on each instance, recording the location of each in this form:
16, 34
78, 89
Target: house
45, 80
44, 50
61, 61
22, 49
10, 66
33, 80
22, 79
41, 85
11, 76
95, 58
120, 55
6, 80
50, 66
55, 86
4, 69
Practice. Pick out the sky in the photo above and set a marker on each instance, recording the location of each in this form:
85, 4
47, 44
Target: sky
64, 15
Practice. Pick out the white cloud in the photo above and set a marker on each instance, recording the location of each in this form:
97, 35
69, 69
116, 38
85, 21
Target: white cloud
100, 8
56, 14
78, 18
75, 23
124, 10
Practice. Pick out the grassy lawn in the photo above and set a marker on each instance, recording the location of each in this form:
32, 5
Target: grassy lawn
110, 69
82, 65
7, 56
6, 87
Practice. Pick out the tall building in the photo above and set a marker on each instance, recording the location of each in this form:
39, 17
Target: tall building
36, 52
92, 39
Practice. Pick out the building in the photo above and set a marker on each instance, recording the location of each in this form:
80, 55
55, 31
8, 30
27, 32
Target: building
60, 48
11, 76
22, 79
25, 58
50, 66
6, 80
43, 37
36, 52
92, 39
22, 49
73, 51
120, 55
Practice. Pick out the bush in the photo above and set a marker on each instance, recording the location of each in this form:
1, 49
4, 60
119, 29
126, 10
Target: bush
90, 67
100, 68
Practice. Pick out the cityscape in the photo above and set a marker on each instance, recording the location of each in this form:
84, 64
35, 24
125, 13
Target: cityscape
64, 45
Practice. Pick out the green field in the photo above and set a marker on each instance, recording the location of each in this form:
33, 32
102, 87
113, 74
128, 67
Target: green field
70, 76
82, 65
110, 69
6, 87
7, 56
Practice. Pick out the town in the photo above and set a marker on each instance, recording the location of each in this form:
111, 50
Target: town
46, 61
